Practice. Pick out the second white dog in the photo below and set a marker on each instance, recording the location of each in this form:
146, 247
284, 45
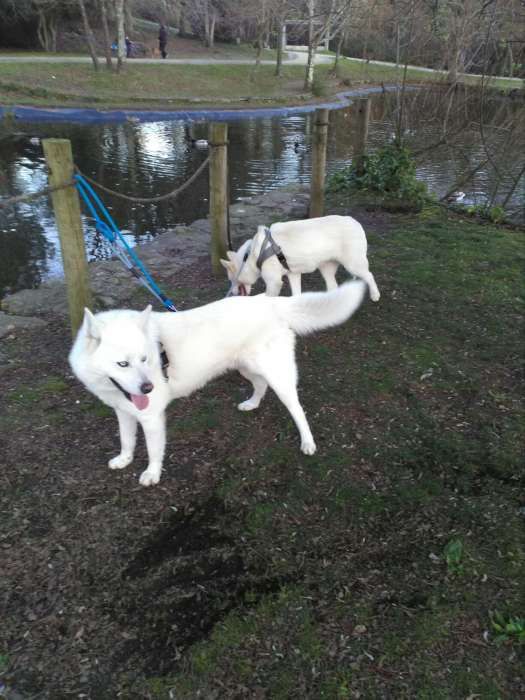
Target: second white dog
116, 356
307, 245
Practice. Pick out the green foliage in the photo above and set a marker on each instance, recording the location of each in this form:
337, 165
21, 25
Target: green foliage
511, 629
453, 555
494, 214
390, 172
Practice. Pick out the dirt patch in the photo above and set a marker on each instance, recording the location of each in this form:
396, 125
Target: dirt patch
252, 570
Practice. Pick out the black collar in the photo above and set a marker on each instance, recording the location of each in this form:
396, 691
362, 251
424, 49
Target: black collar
164, 364
268, 248
120, 388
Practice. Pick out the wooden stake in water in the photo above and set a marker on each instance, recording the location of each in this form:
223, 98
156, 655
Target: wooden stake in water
218, 143
318, 163
66, 206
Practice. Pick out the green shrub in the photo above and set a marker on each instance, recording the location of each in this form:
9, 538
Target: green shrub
508, 629
390, 172
495, 214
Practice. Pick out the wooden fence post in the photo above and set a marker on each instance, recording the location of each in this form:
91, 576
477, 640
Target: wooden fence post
318, 163
218, 142
360, 131
66, 206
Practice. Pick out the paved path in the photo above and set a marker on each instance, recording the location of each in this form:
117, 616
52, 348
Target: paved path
430, 70
293, 58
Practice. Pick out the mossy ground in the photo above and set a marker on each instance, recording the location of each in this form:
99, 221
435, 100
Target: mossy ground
253, 571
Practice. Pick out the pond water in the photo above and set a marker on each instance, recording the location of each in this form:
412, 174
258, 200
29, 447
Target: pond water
148, 159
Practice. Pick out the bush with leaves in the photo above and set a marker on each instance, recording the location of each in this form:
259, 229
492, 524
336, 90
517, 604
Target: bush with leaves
389, 172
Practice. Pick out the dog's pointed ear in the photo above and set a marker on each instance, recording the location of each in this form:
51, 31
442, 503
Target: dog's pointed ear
230, 255
91, 325
226, 263
144, 317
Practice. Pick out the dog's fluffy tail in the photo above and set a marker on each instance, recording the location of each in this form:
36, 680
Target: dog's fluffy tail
313, 311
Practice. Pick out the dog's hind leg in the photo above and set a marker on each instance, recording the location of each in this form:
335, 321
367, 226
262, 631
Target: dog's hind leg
128, 436
294, 278
280, 372
328, 270
362, 271
155, 432
259, 390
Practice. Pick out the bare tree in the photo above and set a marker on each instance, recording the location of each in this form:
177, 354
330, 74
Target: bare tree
203, 15
90, 39
121, 34
48, 13
280, 14
324, 20
107, 38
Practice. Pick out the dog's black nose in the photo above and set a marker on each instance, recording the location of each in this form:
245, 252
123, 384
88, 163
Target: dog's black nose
146, 387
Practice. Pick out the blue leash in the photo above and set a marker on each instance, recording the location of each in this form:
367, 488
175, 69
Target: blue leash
120, 247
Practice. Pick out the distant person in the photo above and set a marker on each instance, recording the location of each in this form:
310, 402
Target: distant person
163, 40
128, 47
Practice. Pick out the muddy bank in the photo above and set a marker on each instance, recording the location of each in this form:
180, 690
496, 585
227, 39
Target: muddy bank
164, 257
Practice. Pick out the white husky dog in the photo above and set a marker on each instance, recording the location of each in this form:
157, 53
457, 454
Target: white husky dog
306, 245
116, 355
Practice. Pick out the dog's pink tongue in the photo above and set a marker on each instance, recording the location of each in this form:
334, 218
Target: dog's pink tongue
140, 401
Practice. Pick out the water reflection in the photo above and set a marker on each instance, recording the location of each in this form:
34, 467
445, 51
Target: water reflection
148, 159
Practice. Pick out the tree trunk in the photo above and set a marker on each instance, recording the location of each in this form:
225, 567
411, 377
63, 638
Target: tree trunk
258, 54
309, 76
511, 59
47, 31
128, 20
212, 29
206, 25
121, 51
53, 31
338, 48
90, 39
280, 39
452, 76
107, 38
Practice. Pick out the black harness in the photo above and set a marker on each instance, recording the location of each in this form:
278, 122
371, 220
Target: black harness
268, 248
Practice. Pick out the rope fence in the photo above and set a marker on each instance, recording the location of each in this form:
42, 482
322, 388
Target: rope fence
11, 201
148, 200
27, 197
68, 187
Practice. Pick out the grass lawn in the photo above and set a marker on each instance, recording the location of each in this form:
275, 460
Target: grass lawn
388, 565
158, 85
54, 84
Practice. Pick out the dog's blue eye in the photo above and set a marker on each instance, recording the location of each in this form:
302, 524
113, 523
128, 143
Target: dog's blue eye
123, 364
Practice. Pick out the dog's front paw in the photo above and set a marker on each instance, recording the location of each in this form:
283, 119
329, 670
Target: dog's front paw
149, 477
375, 296
248, 405
308, 447
120, 461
